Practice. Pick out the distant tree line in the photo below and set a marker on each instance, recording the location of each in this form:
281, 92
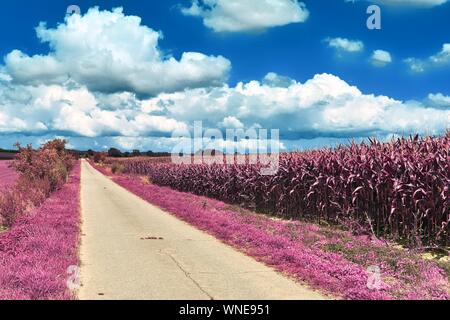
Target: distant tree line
8, 151
116, 153
7, 154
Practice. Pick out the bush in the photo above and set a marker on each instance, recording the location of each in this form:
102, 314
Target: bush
11, 205
42, 172
117, 167
99, 157
114, 153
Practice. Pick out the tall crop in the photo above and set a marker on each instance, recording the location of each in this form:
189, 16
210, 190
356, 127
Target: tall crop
399, 189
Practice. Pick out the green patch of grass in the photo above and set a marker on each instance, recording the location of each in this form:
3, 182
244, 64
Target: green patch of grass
365, 255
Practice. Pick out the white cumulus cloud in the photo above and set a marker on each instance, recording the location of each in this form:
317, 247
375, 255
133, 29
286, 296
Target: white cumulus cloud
110, 52
75, 111
248, 15
381, 58
231, 123
440, 59
344, 44
439, 100
322, 106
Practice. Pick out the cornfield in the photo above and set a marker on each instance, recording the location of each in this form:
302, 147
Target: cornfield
399, 190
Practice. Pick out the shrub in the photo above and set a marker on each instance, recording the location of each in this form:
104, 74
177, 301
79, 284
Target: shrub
117, 167
99, 157
41, 172
11, 205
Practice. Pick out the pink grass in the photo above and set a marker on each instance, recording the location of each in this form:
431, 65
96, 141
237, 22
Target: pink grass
8, 176
36, 252
332, 261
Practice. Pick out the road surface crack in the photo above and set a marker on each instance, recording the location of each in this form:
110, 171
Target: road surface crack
187, 274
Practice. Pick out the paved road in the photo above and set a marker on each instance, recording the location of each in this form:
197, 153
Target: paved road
185, 264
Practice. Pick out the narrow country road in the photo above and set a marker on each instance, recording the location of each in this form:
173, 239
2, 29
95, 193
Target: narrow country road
118, 263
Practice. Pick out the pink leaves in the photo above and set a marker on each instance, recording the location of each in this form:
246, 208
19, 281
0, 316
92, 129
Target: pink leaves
41, 172
7, 175
366, 183
36, 252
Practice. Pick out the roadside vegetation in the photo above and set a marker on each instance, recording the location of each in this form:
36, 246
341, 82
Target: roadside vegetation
335, 219
39, 218
39, 172
8, 176
397, 190
334, 261
37, 252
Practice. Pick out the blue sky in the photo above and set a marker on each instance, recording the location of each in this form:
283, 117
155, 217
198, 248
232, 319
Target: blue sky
405, 94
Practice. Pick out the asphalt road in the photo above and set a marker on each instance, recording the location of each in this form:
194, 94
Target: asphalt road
133, 250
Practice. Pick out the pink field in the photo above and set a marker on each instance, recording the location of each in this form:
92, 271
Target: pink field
397, 190
331, 261
36, 253
8, 176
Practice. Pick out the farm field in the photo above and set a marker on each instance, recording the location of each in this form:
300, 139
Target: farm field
351, 206
8, 176
6, 155
399, 190
337, 260
344, 210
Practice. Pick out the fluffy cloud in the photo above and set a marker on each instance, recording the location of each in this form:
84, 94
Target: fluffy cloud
73, 110
439, 100
231, 123
250, 15
443, 56
109, 52
440, 59
324, 106
168, 143
381, 58
344, 44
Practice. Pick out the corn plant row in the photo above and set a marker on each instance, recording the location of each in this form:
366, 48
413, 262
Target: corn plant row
399, 190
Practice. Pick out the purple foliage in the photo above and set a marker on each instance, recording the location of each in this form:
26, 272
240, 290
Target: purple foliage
399, 190
8, 176
334, 262
41, 172
36, 252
